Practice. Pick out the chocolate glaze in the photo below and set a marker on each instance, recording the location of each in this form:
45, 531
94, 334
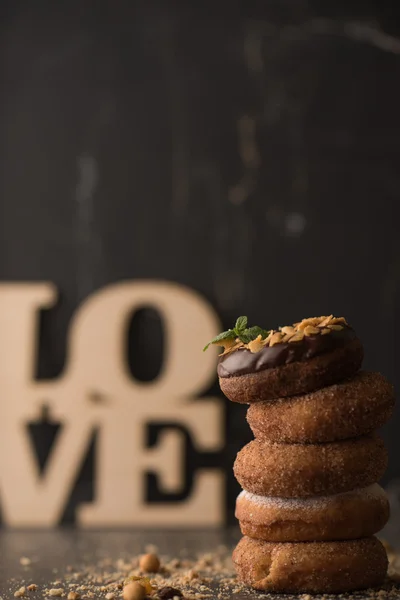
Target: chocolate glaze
242, 362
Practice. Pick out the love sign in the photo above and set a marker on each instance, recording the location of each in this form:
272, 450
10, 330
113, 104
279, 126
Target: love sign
96, 364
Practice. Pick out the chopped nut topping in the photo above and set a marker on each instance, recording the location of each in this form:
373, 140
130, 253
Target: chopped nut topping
297, 337
268, 338
227, 344
234, 346
256, 345
288, 330
308, 323
276, 338
289, 334
311, 330
287, 337
340, 320
325, 320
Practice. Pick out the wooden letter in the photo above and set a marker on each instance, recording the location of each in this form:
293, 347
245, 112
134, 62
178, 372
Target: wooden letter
96, 363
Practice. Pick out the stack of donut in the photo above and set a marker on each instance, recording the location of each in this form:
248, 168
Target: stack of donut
310, 504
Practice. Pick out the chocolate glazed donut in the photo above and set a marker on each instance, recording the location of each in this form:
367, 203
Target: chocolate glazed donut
288, 369
296, 470
348, 409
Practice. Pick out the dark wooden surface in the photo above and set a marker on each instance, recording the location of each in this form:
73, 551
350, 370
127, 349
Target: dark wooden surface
52, 552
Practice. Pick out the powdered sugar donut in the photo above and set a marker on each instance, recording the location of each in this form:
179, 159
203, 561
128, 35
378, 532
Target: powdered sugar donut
350, 515
296, 470
348, 409
316, 567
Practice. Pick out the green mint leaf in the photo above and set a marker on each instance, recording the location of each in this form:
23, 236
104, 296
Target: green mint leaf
225, 335
241, 324
251, 333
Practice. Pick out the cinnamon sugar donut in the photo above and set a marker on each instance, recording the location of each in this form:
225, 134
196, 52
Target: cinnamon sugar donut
316, 567
344, 410
287, 379
351, 515
295, 470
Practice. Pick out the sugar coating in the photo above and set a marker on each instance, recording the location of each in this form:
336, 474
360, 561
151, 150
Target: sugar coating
296, 470
373, 492
314, 567
345, 410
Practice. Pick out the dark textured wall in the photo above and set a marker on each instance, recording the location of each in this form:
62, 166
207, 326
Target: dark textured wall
249, 152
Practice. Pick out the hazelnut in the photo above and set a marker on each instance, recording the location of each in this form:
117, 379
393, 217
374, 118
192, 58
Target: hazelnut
133, 591
144, 582
149, 563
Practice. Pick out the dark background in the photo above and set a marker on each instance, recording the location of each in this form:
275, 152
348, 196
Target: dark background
248, 150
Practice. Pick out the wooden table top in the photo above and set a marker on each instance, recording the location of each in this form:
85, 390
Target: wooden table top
50, 559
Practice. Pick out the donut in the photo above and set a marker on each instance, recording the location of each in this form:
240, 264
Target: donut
350, 515
245, 386
316, 567
296, 470
344, 410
